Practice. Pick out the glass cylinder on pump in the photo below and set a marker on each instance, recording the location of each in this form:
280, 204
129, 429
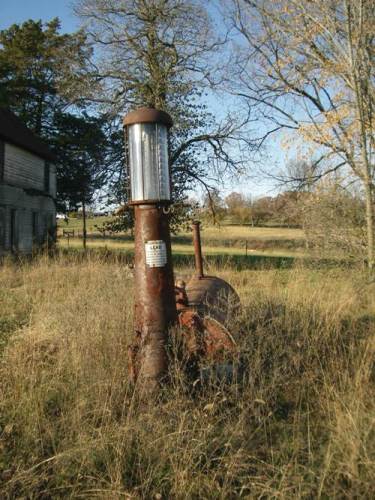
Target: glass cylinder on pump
148, 156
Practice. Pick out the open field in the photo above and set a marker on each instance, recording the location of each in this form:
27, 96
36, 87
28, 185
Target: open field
76, 223
216, 240
251, 233
179, 248
299, 425
209, 232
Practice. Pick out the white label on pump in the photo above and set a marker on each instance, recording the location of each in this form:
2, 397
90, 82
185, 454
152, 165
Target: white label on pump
156, 253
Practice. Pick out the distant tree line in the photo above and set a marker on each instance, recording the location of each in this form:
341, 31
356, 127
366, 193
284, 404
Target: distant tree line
237, 208
332, 218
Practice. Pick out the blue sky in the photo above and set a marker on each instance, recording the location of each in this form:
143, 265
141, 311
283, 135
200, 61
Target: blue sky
18, 11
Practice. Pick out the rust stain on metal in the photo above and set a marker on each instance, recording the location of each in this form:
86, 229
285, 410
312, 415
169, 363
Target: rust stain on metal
180, 295
204, 336
192, 331
217, 338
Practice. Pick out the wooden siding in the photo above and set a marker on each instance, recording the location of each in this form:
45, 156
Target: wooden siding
12, 198
22, 168
23, 201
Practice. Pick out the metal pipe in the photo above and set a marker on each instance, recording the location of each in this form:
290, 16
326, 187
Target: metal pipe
155, 307
198, 249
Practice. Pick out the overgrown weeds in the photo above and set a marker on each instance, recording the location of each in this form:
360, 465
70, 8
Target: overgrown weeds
298, 424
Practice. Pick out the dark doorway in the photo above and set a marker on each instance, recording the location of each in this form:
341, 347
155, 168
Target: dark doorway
35, 228
13, 230
2, 228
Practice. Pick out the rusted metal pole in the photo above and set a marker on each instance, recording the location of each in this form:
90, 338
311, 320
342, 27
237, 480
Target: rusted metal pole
197, 249
155, 307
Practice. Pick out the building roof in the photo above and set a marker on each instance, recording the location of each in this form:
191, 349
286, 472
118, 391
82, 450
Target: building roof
13, 130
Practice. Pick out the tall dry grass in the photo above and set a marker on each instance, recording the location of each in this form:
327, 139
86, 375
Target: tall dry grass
299, 423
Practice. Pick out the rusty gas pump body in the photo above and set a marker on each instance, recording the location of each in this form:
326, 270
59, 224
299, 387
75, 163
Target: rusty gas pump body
205, 306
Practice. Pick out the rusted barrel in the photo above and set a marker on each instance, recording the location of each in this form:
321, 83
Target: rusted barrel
212, 296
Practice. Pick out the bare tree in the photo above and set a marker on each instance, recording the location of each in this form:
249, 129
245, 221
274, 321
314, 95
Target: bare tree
333, 220
163, 54
147, 50
306, 68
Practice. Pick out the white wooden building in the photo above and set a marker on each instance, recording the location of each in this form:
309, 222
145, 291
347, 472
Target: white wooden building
27, 187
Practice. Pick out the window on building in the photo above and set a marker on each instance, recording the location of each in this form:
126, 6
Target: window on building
46, 176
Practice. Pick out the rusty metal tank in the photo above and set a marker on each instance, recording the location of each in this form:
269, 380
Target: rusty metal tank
210, 295
214, 297
206, 306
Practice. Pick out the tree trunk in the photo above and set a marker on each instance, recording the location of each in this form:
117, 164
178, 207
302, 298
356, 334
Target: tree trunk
357, 63
370, 223
84, 223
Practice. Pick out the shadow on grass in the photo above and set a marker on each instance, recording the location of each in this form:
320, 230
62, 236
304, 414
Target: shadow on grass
252, 243
223, 261
236, 262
